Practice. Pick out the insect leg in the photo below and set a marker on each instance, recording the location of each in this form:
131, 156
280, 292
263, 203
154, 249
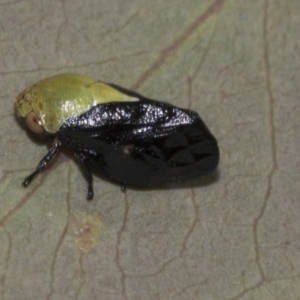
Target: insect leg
44, 162
123, 187
88, 176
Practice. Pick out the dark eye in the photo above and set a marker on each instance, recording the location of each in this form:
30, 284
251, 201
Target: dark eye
33, 122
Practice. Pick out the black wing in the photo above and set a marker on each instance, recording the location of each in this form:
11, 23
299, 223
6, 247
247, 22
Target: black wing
142, 143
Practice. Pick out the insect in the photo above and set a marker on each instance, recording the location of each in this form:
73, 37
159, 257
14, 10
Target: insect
128, 138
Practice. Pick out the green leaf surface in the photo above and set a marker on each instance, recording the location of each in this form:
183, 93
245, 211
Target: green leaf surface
235, 235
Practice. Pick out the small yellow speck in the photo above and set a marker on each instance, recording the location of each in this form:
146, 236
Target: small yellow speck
87, 232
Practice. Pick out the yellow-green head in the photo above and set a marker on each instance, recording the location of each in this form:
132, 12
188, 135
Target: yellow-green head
46, 105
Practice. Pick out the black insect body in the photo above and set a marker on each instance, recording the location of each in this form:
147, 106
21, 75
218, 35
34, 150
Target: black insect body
140, 143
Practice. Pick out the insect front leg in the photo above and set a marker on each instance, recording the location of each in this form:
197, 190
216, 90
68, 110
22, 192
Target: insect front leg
88, 176
44, 162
